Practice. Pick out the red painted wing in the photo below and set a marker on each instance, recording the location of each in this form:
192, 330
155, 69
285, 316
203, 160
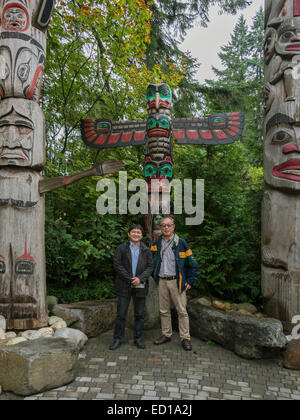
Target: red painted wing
104, 133
215, 129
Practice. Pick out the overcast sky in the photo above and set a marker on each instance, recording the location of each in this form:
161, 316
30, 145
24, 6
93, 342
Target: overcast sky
205, 43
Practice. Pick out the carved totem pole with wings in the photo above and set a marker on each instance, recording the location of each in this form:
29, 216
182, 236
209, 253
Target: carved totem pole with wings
23, 29
158, 133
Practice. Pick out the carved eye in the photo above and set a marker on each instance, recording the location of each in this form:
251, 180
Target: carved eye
4, 128
24, 130
287, 36
281, 137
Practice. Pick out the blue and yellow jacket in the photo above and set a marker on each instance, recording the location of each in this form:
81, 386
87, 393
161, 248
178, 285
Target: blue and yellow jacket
187, 268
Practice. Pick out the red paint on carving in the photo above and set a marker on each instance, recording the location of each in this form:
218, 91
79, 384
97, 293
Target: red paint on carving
19, 6
114, 138
291, 147
179, 134
91, 138
2, 258
192, 134
220, 134
126, 137
296, 7
30, 91
236, 129
293, 47
26, 255
290, 165
101, 139
139, 135
206, 135
168, 159
231, 133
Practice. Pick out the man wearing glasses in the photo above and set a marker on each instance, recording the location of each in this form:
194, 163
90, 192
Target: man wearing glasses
133, 266
175, 270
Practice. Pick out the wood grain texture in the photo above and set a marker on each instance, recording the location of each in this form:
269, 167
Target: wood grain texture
281, 203
22, 249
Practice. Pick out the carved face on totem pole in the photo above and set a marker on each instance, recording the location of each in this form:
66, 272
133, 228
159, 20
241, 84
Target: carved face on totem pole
159, 162
159, 98
288, 38
22, 138
282, 148
23, 47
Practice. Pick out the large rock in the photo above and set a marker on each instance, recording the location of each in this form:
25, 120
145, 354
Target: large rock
248, 336
152, 316
91, 317
76, 336
37, 365
291, 355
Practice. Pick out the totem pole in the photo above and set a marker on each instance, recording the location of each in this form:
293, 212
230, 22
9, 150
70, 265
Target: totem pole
281, 202
158, 133
22, 157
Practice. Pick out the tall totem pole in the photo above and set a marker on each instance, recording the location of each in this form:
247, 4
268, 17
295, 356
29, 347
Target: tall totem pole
281, 202
22, 157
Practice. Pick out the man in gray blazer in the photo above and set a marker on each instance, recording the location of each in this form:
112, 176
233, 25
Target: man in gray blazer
133, 266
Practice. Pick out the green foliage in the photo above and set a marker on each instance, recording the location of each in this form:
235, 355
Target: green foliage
101, 56
226, 244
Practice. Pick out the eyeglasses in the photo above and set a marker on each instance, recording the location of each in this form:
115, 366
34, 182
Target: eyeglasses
166, 226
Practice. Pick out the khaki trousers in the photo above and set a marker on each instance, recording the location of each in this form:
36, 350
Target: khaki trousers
167, 291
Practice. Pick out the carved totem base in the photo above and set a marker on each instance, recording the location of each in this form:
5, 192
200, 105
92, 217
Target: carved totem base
281, 254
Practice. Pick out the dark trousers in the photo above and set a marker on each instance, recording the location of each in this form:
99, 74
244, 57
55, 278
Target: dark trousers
139, 309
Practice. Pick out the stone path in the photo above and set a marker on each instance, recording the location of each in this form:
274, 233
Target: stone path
167, 372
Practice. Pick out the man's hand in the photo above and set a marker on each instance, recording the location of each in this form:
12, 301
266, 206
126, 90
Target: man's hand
188, 287
135, 281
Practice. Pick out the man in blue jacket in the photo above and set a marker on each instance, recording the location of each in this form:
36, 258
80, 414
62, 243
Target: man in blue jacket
175, 271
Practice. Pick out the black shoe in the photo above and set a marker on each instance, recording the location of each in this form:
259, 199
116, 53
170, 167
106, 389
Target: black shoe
139, 344
116, 344
186, 344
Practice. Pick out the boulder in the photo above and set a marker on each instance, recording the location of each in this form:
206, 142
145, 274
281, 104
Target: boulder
46, 332
248, 336
10, 334
54, 319
15, 340
76, 336
31, 334
51, 301
291, 355
205, 301
58, 325
248, 307
37, 365
91, 317
152, 315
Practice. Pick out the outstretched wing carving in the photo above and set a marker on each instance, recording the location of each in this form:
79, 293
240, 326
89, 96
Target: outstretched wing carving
212, 130
104, 133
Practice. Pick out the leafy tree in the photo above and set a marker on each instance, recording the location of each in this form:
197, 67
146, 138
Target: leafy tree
227, 244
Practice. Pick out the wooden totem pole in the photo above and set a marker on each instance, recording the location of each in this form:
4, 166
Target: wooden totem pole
22, 157
158, 133
281, 202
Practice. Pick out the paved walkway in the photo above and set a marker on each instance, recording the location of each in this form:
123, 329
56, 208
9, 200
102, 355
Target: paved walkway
167, 372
